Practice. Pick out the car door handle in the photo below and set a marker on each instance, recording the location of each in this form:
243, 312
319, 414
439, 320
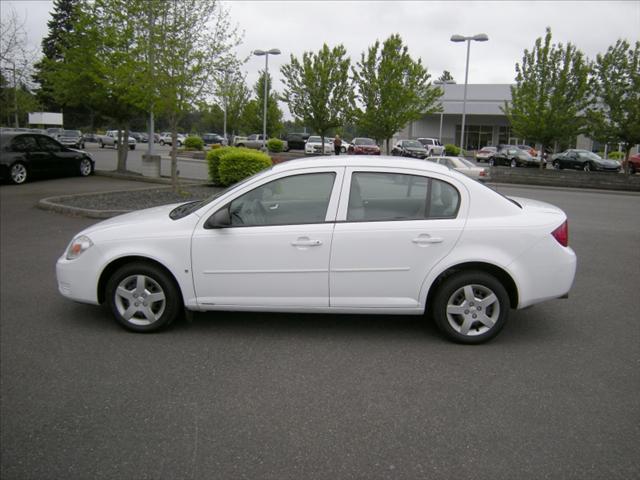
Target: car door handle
425, 239
274, 206
306, 242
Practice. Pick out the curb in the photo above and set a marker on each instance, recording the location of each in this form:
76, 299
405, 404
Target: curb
137, 177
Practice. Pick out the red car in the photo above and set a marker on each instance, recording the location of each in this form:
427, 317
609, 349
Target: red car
634, 163
364, 146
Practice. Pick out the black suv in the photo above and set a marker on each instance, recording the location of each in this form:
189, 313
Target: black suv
296, 141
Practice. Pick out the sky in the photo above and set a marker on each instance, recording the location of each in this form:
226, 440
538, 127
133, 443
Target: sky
425, 26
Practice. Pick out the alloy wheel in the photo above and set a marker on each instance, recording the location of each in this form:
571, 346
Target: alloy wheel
473, 310
85, 167
18, 173
140, 300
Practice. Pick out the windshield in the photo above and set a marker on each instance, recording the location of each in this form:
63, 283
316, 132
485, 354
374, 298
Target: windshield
412, 144
189, 207
71, 133
364, 141
314, 140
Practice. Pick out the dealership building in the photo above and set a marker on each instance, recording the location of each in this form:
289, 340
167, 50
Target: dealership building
485, 122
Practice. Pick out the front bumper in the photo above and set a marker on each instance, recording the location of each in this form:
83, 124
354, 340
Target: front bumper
77, 279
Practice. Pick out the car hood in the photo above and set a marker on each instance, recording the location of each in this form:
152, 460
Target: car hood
608, 163
140, 223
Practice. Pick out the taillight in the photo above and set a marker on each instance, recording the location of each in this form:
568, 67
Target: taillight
561, 234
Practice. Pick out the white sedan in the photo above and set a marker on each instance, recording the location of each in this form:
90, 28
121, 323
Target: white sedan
463, 165
313, 146
347, 234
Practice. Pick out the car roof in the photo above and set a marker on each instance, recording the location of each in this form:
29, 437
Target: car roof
361, 161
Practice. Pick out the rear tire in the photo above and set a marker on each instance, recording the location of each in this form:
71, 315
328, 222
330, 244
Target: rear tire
100, 144
18, 173
492, 162
470, 307
514, 163
143, 297
587, 167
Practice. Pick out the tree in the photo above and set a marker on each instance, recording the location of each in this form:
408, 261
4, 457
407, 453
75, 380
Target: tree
393, 89
614, 111
318, 89
16, 62
446, 77
550, 95
63, 18
232, 90
254, 110
192, 40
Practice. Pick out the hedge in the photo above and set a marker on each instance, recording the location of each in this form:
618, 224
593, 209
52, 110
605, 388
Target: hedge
451, 150
229, 165
275, 145
194, 143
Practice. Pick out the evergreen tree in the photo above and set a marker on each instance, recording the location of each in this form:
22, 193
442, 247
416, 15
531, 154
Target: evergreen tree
446, 77
254, 109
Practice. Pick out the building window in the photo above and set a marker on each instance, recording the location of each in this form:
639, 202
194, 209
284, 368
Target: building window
476, 136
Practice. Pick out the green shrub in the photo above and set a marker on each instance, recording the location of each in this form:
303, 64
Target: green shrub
616, 155
451, 150
275, 145
194, 143
239, 163
213, 161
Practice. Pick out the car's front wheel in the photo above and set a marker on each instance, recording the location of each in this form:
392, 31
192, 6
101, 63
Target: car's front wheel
143, 297
556, 165
471, 307
492, 162
85, 167
587, 167
100, 144
514, 163
18, 173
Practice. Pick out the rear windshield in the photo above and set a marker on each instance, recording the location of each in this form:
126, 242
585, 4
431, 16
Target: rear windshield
412, 144
364, 141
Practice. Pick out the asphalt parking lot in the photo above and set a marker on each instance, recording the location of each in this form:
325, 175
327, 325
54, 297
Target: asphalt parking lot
272, 396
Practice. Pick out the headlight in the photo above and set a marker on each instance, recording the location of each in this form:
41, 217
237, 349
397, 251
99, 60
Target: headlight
78, 246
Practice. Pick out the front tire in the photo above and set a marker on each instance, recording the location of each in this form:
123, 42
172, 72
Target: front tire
587, 167
471, 307
492, 162
85, 167
514, 163
556, 165
18, 173
143, 297
100, 144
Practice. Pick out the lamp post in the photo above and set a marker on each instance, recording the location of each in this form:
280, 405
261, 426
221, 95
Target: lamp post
480, 37
259, 53
443, 83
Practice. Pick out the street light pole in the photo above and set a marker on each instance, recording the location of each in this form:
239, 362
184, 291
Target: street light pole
481, 37
273, 51
443, 83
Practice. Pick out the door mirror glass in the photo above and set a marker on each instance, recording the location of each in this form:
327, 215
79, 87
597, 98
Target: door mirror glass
220, 219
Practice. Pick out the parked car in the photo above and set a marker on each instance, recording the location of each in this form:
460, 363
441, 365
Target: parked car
409, 148
464, 166
485, 153
90, 138
634, 163
167, 139
296, 141
512, 156
363, 146
54, 132
433, 146
71, 138
27, 155
334, 235
314, 146
584, 160
530, 150
111, 140
213, 139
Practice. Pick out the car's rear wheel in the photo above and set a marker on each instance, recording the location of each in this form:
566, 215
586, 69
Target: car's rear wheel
471, 307
492, 162
162, 142
132, 147
514, 163
587, 167
143, 297
100, 144
18, 173
85, 167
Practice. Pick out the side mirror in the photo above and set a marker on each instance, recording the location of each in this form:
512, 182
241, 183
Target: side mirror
220, 219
